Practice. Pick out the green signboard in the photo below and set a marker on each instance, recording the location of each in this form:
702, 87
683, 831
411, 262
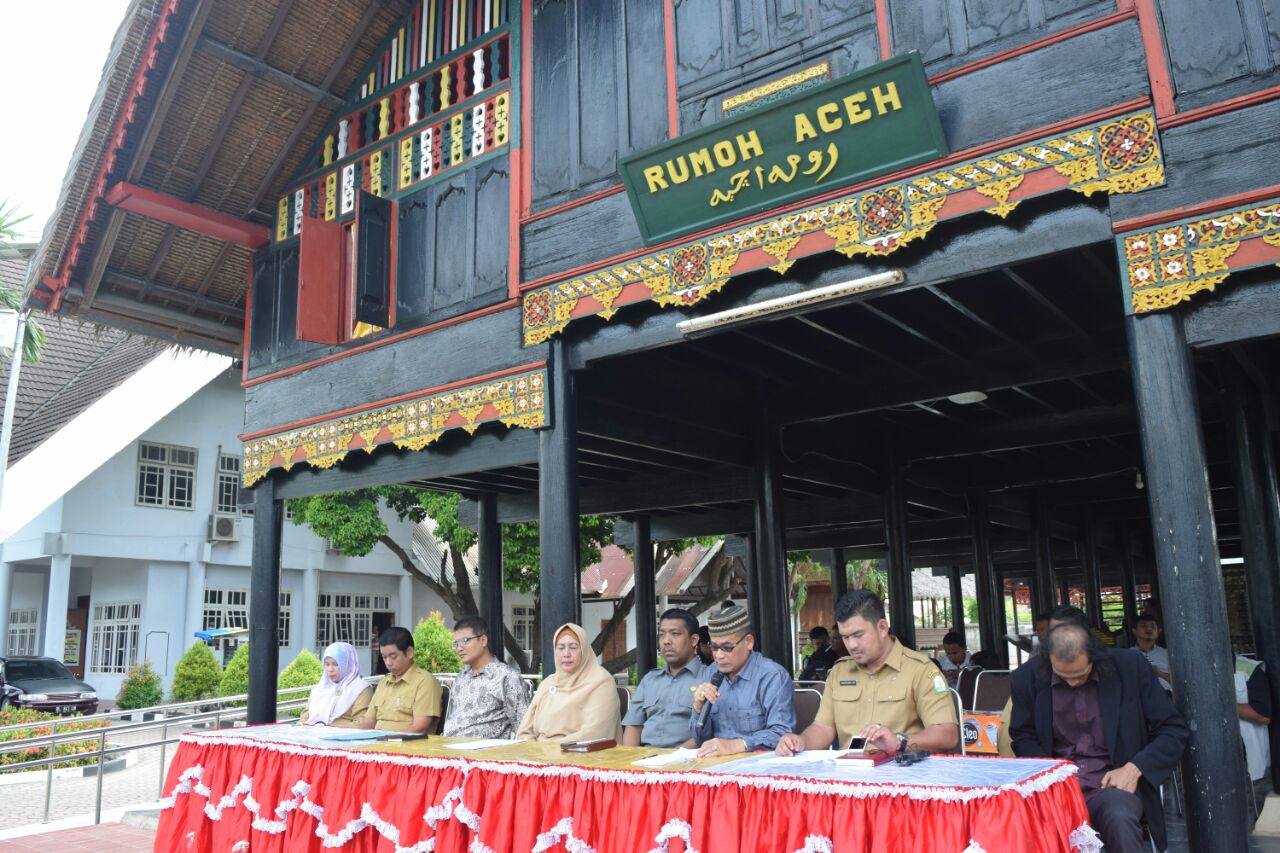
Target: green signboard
872, 122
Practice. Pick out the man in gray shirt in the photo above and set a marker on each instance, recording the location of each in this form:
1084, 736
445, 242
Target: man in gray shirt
487, 699
663, 703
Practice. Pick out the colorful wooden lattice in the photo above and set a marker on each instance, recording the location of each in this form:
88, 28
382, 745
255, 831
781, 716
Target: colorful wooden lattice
516, 401
1116, 155
1172, 262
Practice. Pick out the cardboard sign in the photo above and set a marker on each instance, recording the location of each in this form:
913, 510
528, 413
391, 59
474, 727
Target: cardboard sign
981, 733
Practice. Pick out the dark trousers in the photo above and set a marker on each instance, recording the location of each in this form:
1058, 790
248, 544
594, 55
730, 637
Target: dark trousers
1117, 816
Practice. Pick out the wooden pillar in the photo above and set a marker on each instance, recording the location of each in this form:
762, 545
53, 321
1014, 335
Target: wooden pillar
1092, 571
897, 539
751, 563
1254, 472
1129, 572
773, 618
990, 601
839, 575
1044, 590
957, 599
489, 544
1193, 599
646, 597
559, 595
264, 603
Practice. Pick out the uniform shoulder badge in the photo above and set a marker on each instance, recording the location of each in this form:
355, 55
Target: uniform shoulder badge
939, 684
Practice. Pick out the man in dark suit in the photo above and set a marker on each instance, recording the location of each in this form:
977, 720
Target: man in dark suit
1103, 709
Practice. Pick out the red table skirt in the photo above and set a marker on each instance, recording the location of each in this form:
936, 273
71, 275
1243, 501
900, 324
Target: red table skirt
238, 795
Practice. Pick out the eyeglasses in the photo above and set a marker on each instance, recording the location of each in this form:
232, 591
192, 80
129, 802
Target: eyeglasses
459, 645
727, 648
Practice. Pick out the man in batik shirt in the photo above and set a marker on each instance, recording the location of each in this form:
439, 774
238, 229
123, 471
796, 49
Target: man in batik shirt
488, 699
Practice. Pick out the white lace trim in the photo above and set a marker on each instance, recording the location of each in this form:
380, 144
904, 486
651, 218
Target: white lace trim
859, 790
674, 828
974, 847
562, 831
1085, 839
816, 844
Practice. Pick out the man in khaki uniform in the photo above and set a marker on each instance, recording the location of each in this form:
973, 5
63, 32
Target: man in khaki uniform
893, 697
407, 699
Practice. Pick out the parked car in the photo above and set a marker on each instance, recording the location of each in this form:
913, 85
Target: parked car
44, 684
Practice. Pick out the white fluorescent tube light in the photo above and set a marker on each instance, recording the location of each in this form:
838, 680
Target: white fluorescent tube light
790, 303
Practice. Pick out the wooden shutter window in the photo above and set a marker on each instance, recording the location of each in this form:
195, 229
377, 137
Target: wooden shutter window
374, 217
320, 281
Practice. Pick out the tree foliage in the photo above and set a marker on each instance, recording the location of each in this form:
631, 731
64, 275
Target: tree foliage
235, 678
197, 674
33, 339
433, 645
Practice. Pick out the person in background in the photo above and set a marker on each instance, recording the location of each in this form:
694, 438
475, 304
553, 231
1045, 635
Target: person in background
754, 704
1253, 706
408, 698
1145, 631
1103, 710
891, 696
579, 701
704, 646
819, 663
341, 697
487, 699
955, 656
659, 712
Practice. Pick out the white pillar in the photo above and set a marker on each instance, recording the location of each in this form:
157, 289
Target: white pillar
55, 617
404, 603
195, 604
307, 609
6, 604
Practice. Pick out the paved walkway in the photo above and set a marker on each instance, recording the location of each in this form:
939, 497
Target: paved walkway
107, 837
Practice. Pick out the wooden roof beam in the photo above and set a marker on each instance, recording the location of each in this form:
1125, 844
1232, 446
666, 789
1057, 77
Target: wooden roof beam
117, 278
184, 214
258, 68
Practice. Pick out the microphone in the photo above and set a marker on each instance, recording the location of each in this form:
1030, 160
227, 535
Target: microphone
706, 706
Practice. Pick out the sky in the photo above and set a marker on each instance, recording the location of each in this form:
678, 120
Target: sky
51, 58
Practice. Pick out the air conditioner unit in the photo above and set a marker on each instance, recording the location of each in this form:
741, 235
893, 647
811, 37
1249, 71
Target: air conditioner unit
329, 547
224, 528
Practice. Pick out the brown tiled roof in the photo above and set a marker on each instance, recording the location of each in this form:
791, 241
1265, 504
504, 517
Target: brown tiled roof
81, 363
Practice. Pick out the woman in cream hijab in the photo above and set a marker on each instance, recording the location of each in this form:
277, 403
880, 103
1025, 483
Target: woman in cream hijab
341, 697
579, 701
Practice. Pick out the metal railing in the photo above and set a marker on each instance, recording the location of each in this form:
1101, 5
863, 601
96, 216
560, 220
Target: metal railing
215, 712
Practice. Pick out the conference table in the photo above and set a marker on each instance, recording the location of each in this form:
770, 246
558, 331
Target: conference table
286, 788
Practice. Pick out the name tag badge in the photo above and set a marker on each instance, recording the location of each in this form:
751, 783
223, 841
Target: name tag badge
851, 682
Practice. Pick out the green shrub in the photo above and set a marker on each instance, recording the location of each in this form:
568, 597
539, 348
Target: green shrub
20, 716
142, 688
235, 678
433, 645
197, 675
305, 671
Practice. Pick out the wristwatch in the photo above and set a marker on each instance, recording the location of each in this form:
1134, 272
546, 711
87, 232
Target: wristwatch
902, 741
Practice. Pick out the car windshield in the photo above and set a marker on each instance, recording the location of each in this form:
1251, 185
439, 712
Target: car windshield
19, 670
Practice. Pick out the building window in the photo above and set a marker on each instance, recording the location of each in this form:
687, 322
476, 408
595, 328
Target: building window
24, 627
284, 621
522, 627
166, 475
115, 636
227, 496
347, 618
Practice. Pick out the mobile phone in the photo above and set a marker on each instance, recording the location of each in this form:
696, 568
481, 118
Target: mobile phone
857, 743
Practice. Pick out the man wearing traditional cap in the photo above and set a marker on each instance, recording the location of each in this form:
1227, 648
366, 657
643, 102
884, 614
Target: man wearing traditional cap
893, 697
752, 708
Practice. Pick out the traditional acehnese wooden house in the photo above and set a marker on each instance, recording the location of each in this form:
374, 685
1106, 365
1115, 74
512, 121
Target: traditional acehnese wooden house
969, 324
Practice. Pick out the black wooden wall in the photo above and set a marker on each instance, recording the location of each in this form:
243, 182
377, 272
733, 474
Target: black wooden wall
1221, 48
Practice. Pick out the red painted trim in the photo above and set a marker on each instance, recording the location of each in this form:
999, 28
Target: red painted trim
1124, 5
1031, 47
1141, 223
1157, 61
184, 214
526, 105
570, 205
1216, 109
669, 37
390, 401
883, 30
513, 224
125, 117
955, 157
381, 342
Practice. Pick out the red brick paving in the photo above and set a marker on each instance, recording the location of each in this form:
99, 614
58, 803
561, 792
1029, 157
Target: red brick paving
105, 837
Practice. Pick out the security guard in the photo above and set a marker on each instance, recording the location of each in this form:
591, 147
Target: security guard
893, 697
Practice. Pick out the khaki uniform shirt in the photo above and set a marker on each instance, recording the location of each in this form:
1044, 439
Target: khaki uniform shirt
350, 719
908, 694
396, 703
